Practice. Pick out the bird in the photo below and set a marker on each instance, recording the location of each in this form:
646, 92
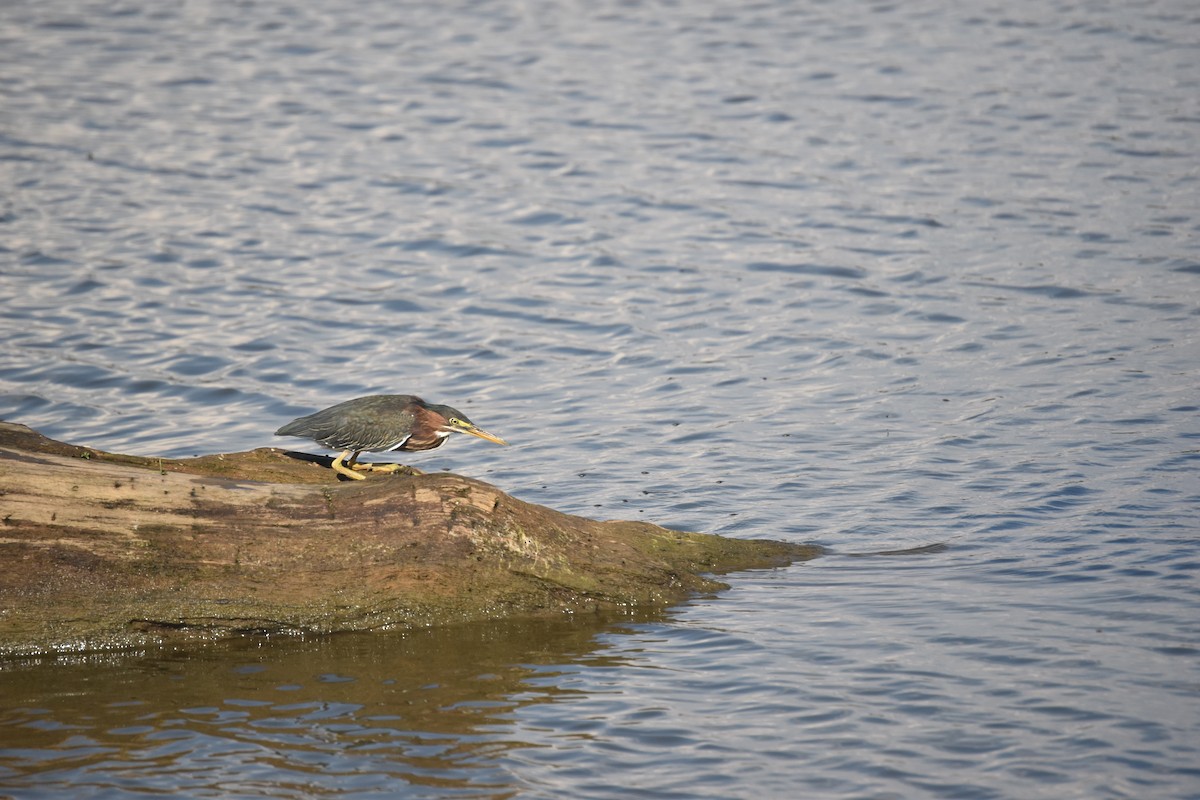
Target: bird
379, 423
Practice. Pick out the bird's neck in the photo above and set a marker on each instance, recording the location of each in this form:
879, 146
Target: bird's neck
426, 441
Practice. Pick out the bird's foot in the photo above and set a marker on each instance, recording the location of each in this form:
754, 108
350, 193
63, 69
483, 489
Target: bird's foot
351, 474
340, 468
389, 468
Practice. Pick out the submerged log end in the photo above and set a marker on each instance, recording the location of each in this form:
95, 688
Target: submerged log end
102, 550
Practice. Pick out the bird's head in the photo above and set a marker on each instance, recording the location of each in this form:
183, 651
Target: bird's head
456, 422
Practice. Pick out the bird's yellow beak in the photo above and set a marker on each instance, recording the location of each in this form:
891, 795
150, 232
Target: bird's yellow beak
482, 434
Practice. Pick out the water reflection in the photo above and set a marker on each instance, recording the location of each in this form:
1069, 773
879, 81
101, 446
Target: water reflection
361, 712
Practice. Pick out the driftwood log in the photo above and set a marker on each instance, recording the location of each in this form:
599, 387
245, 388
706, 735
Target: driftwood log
100, 550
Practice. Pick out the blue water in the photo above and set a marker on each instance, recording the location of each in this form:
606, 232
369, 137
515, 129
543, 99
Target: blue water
868, 275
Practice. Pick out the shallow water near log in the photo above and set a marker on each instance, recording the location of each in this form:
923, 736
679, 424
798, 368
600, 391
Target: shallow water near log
870, 276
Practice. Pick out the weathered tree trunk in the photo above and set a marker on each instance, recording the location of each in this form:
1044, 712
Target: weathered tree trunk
105, 550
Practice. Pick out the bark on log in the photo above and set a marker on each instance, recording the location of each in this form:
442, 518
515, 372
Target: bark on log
101, 550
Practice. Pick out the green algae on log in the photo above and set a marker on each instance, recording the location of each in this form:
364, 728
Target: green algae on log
100, 550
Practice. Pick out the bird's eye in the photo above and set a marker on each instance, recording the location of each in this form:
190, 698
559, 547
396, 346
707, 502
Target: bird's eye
456, 422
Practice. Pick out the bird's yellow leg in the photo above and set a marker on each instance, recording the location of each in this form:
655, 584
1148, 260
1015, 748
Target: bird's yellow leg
365, 467
341, 469
379, 467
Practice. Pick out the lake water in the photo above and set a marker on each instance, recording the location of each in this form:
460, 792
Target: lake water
864, 274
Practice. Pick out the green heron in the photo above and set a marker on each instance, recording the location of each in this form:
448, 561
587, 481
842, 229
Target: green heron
379, 423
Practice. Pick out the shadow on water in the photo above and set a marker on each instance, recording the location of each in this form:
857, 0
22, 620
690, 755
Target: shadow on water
926, 549
427, 708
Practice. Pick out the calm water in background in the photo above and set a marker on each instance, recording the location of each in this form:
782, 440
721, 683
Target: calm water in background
868, 275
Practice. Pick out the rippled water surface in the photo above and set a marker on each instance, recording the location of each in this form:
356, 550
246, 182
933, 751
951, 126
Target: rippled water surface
869, 275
